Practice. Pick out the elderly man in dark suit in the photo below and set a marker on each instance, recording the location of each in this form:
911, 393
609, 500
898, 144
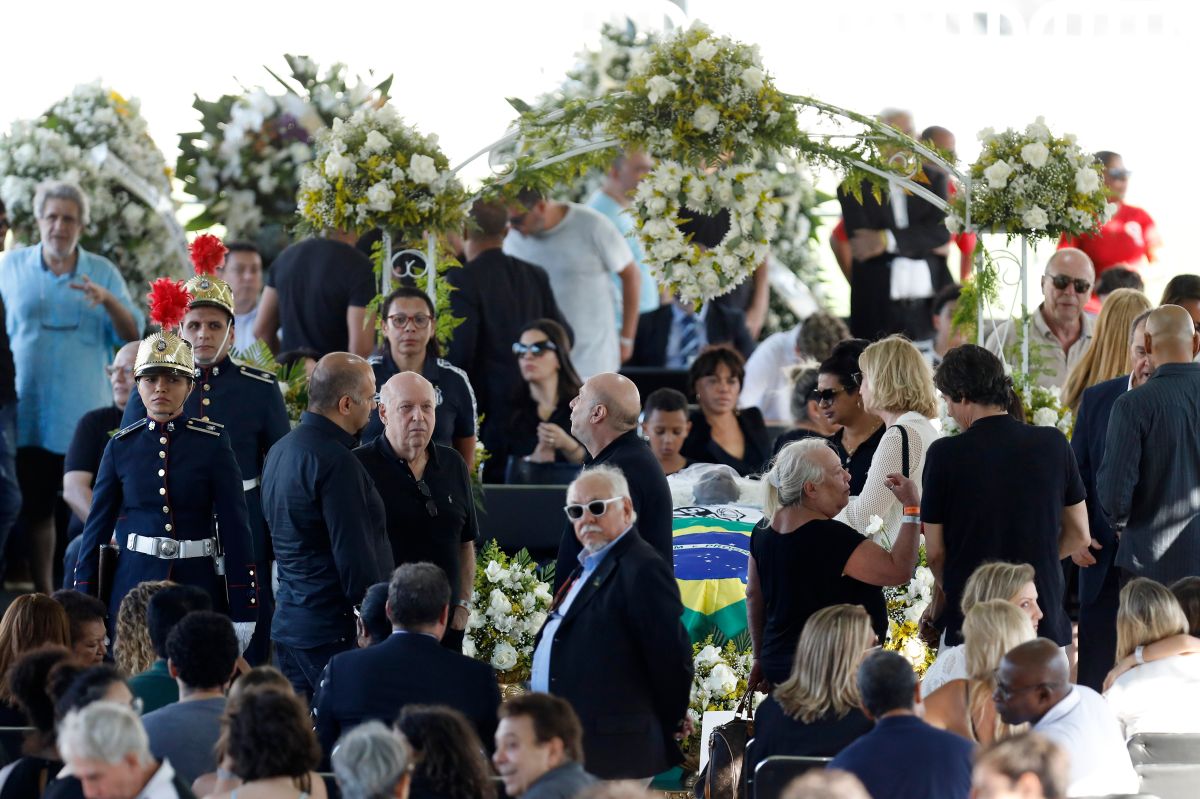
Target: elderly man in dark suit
613, 645
410, 667
1098, 584
604, 419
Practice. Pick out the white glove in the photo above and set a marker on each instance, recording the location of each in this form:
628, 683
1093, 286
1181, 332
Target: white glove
244, 630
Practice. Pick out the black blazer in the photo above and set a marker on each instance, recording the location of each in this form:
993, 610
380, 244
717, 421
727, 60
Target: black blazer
723, 325
406, 669
651, 495
1088, 443
623, 660
700, 447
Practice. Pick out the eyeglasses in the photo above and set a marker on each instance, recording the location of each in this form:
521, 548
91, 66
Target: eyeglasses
1119, 174
1061, 282
596, 507
825, 396
430, 505
420, 321
113, 371
535, 349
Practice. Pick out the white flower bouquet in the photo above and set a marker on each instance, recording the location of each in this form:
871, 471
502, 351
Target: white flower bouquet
1043, 405
243, 164
508, 607
374, 171
58, 145
905, 605
718, 682
1033, 184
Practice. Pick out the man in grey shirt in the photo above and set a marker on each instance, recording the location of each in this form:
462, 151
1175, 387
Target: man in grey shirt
580, 249
1149, 481
201, 653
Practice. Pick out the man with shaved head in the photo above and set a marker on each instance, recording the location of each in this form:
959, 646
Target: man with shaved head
613, 645
1147, 483
426, 492
604, 418
326, 521
1059, 331
1033, 685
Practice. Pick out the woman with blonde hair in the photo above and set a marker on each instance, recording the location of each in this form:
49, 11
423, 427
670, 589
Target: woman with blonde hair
815, 712
1012, 582
1162, 696
964, 706
897, 386
133, 651
1108, 354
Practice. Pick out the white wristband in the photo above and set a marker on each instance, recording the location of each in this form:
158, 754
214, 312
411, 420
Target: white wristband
910, 520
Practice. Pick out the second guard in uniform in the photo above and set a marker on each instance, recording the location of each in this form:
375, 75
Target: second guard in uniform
244, 399
168, 491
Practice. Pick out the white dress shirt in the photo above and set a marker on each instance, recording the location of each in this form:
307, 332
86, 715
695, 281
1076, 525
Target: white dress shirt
1162, 696
1085, 726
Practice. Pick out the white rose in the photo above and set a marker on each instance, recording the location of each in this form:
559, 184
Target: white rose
753, 78
705, 118
1038, 130
986, 135
468, 648
914, 650
504, 657
542, 592
702, 50
495, 572
1087, 180
1045, 417
475, 620
1035, 218
1110, 210
339, 166
422, 169
997, 174
721, 680
1035, 154
708, 656
659, 87
376, 143
535, 621
498, 602
504, 623
874, 525
1064, 424
380, 198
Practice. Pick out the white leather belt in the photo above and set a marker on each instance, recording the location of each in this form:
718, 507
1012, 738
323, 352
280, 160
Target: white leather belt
171, 549
250, 485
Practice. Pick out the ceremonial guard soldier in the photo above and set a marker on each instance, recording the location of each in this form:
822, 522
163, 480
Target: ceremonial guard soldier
244, 399
168, 492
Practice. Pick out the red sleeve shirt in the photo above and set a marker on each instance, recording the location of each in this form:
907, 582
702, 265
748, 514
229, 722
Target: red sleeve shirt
1127, 239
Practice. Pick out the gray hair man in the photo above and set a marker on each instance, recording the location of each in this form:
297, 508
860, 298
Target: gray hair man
604, 417
372, 762
613, 645
106, 749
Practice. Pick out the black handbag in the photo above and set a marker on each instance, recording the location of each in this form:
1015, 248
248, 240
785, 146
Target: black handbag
723, 777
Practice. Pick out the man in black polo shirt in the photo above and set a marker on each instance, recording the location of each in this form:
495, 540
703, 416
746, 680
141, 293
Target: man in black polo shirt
604, 419
426, 491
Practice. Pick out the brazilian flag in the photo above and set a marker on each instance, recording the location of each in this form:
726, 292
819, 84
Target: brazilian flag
712, 553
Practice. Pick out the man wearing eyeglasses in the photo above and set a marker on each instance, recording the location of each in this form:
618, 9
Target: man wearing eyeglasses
1059, 330
1033, 685
426, 493
67, 309
613, 645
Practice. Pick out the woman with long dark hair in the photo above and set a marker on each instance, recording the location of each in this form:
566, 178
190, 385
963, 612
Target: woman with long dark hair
448, 754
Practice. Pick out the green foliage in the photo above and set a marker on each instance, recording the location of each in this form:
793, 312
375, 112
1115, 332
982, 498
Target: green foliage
292, 379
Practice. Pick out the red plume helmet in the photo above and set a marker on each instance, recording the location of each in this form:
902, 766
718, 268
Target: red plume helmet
207, 253
169, 302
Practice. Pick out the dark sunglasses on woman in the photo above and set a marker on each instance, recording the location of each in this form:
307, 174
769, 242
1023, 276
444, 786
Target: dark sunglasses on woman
534, 349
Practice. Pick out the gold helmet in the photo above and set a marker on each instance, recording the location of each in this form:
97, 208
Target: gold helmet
165, 350
207, 253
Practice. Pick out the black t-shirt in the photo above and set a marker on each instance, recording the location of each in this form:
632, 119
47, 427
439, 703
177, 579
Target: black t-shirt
859, 463
92, 433
999, 489
414, 534
454, 416
800, 572
317, 280
700, 446
777, 733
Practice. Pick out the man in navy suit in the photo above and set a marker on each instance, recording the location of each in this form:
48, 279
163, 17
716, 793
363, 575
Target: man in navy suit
410, 667
1099, 582
613, 645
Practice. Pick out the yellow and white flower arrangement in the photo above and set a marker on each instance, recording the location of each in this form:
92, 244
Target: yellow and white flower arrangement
509, 605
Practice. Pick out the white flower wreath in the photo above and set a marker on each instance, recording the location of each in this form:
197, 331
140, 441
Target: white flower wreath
663, 200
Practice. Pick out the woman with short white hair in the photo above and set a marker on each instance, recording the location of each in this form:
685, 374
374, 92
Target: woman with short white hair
371, 762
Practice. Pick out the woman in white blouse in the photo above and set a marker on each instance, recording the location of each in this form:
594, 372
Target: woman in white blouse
1163, 696
897, 386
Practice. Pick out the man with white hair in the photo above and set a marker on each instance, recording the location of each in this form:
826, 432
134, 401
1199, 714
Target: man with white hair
613, 645
1147, 480
106, 749
1059, 331
66, 307
370, 762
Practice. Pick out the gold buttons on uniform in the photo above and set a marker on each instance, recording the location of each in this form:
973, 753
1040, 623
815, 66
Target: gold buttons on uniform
162, 472
207, 387
204, 418
206, 401
166, 509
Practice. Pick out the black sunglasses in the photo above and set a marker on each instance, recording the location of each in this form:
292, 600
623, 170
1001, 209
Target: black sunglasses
534, 349
826, 396
1061, 282
430, 505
